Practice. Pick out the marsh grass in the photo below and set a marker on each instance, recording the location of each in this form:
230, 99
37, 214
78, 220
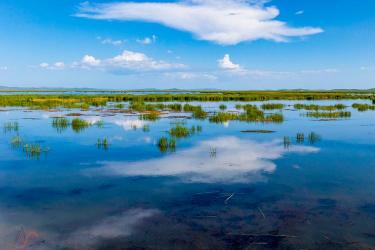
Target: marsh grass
287, 142
363, 107
166, 144
146, 128
60, 124
152, 116
11, 127
180, 131
103, 143
34, 150
16, 142
79, 125
330, 115
222, 107
272, 106
320, 107
313, 138
300, 138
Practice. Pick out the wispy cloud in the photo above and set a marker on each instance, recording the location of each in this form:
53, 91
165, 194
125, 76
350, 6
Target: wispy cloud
186, 76
54, 66
147, 40
300, 12
225, 22
3, 68
111, 41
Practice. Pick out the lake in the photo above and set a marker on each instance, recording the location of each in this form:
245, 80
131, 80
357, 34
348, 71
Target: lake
304, 183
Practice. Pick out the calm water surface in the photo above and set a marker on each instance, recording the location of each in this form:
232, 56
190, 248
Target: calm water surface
220, 189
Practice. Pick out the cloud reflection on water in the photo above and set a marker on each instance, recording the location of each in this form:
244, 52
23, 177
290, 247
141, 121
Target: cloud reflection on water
235, 161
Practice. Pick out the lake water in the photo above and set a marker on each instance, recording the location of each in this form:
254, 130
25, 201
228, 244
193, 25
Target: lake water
220, 189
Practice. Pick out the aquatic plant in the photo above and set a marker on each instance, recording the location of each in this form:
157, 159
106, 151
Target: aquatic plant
363, 107
222, 107
222, 117
60, 123
119, 106
272, 106
102, 143
179, 131
11, 126
16, 141
34, 150
238, 106
78, 125
152, 116
300, 138
313, 138
320, 107
146, 128
166, 144
340, 114
213, 152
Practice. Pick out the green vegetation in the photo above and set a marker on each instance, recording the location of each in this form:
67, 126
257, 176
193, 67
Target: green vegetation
11, 126
313, 138
251, 114
119, 106
41, 101
287, 142
60, 124
167, 144
16, 141
363, 107
152, 116
34, 150
319, 107
222, 107
146, 128
300, 138
329, 115
78, 125
272, 106
180, 131
102, 143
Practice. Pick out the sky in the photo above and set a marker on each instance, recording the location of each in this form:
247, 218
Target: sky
188, 44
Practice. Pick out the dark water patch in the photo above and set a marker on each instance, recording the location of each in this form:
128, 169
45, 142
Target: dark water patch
32, 195
368, 208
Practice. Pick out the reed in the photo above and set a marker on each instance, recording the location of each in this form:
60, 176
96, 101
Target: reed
152, 116
320, 107
339, 114
11, 127
179, 131
222, 107
363, 107
300, 138
60, 124
16, 141
272, 106
79, 125
313, 138
102, 143
34, 150
166, 144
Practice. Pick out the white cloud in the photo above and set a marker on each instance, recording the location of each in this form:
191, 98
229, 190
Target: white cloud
236, 161
191, 76
54, 66
3, 68
112, 42
90, 61
300, 12
147, 40
320, 71
226, 64
130, 123
226, 22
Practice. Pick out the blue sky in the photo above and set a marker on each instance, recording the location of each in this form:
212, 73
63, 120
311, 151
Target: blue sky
228, 44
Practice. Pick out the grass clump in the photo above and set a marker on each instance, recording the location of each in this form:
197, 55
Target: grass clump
222, 117
16, 141
363, 107
313, 138
102, 143
79, 124
179, 131
222, 107
300, 138
329, 115
11, 126
167, 144
34, 150
60, 123
319, 107
152, 116
272, 106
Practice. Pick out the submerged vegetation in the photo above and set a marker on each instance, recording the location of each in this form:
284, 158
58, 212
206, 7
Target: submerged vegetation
60, 123
102, 143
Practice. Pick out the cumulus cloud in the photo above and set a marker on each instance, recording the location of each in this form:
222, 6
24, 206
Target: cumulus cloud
226, 64
130, 123
54, 66
236, 161
127, 60
225, 22
147, 40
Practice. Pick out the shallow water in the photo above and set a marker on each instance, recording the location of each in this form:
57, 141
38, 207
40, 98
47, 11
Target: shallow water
220, 189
